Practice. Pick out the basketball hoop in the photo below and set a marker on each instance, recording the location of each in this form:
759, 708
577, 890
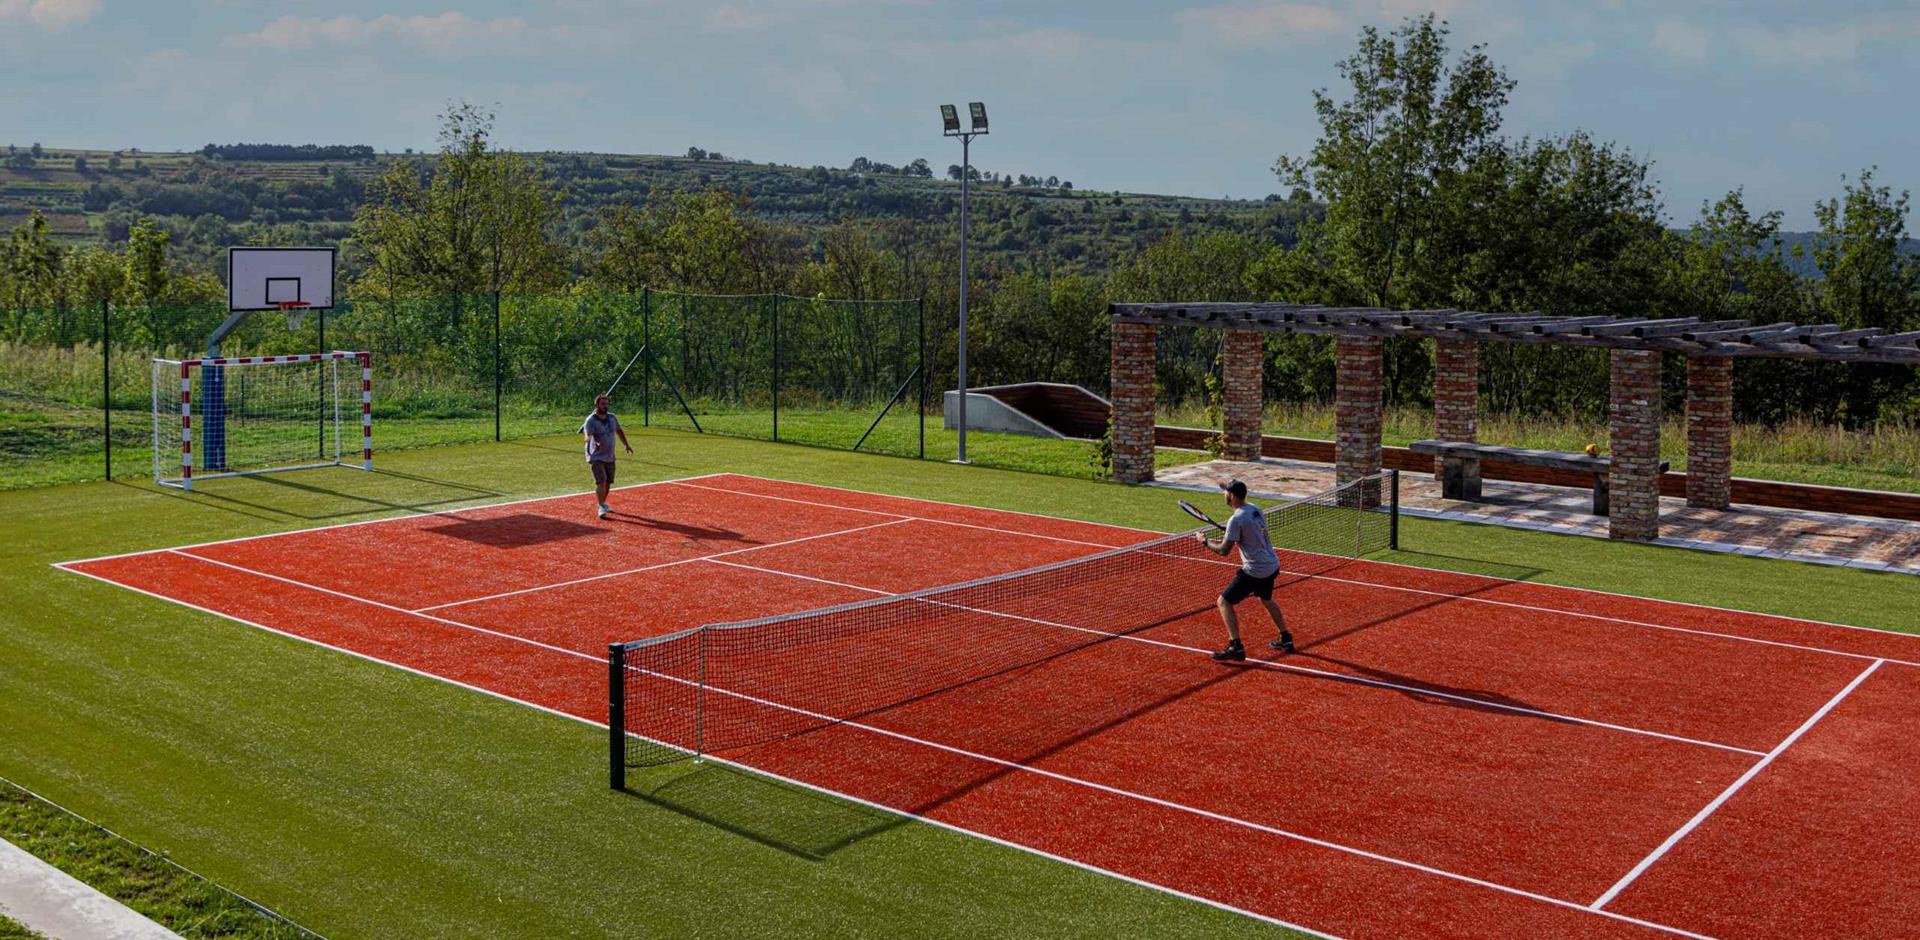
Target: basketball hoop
296, 312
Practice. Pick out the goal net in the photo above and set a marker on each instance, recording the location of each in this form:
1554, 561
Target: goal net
229, 417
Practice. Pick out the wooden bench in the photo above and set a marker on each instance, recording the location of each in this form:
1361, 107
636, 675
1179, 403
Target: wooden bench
1460, 467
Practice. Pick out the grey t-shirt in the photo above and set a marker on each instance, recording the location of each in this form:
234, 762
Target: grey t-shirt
1247, 528
600, 430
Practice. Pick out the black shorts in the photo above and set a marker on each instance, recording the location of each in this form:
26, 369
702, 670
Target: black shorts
1244, 585
602, 471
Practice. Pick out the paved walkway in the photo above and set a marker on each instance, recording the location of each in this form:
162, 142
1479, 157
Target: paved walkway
59, 907
1815, 537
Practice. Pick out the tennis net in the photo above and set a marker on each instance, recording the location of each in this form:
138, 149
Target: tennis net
721, 687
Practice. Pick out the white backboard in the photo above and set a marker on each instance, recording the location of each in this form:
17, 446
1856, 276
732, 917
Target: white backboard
261, 278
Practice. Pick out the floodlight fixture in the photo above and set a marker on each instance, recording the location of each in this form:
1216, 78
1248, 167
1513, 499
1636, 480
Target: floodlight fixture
950, 119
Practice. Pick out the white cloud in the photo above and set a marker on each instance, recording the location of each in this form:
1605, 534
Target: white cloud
50, 15
1802, 45
1683, 41
1262, 22
445, 34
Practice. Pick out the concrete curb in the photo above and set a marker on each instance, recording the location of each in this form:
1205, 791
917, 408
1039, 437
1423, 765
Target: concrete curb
56, 904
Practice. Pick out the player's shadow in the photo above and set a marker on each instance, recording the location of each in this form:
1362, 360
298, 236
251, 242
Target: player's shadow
697, 533
784, 816
514, 530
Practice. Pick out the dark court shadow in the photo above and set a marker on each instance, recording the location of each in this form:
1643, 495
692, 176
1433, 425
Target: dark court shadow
515, 530
700, 533
792, 819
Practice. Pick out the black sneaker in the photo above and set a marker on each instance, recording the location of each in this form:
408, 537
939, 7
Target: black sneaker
1284, 644
1232, 654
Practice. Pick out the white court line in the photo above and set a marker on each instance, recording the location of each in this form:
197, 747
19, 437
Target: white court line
934, 502
1394, 587
392, 518
1728, 793
601, 725
1114, 790
964, 525
183, 553
1018, 767
659, 565
1274, 664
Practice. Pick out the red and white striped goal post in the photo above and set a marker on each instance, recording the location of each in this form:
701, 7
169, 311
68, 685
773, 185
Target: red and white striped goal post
186, 399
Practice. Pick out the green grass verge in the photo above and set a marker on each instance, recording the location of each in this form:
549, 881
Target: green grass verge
11, 929
163, 892
367, 802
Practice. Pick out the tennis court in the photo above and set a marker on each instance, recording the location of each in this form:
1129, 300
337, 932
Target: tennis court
1447, 754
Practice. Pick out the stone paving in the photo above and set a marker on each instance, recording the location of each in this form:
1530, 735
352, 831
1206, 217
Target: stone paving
1814, 537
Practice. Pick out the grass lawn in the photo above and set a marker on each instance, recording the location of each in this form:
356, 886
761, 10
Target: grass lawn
363, 801
11, 929
169, 895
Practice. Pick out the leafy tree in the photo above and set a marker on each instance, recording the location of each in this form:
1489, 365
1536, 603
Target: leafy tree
1869, 281
145, 261
473, 220
706, 242
31, 263
1410, 123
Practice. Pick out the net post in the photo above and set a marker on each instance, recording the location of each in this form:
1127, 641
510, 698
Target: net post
616, 717
776, 367
106, 383
700, 702
1393, 510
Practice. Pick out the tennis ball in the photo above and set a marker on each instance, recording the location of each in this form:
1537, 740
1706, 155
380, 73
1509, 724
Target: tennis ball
1592, 450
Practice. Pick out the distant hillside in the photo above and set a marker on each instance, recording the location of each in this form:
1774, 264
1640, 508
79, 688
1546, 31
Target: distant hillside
210, 201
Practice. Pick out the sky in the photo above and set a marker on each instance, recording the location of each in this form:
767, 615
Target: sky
1196, 98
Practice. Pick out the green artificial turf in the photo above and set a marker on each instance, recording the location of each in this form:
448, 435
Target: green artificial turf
163, 892
363, 801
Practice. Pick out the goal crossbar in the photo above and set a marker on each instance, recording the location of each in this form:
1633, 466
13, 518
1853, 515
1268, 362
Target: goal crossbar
258, 414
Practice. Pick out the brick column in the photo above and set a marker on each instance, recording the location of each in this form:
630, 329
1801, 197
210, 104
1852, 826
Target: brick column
1357, 411
1709, 431
1132, 394
1242, 366
1634, 423
1456, 392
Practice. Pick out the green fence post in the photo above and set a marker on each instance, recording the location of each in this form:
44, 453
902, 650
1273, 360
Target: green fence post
776, 367
106, 381
646, 343
496, 366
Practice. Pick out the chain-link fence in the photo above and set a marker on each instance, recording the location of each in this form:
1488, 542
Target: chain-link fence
76, 393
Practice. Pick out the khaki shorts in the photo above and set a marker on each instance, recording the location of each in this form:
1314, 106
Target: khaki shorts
602, 472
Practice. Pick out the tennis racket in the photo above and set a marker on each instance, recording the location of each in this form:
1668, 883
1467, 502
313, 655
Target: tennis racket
1195, 512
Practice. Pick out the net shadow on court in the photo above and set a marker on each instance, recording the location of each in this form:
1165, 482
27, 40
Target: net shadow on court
797, 820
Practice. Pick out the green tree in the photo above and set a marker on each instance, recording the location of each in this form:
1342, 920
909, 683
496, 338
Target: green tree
471, 220
145, 261
707, 242
31, 264
1869, 280
1409, 124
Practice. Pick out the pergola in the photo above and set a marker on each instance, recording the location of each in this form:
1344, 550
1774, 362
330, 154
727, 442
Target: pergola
1634, 344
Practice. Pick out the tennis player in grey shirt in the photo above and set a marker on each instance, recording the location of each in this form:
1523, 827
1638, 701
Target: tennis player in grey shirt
600, 429
1259, 565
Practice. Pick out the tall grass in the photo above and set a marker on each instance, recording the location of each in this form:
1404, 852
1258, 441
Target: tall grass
1886, 456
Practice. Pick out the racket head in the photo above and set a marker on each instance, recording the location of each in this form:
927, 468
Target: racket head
1197, 513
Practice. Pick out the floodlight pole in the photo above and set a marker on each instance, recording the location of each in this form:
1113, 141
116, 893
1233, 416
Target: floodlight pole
966, 170
978, 114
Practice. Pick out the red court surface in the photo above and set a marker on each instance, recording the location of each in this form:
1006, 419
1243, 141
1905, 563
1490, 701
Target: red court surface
1446, 755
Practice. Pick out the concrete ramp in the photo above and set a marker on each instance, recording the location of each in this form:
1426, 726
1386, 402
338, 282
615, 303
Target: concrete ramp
1036, 409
